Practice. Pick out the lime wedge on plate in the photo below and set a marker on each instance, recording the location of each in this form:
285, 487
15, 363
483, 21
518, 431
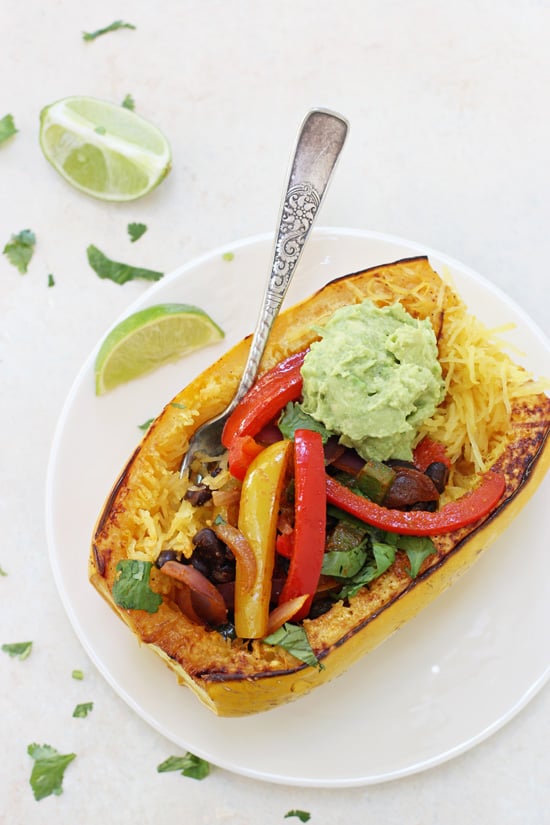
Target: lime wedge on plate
103, 149
149, 338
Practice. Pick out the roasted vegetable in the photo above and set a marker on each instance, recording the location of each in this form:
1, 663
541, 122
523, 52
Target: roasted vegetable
485, 468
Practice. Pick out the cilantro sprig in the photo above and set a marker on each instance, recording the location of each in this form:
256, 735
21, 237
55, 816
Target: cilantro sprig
293, 638
20, 249
136, 230
303, 816
7, 128
112, 27
189, 765
132, 590
118, 272
20, 649
48, 770
82, 710
294, 418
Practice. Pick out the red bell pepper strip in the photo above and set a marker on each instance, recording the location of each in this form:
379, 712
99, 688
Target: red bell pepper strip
242, 452
273, 390
465, 510
285, 544
427, 451
309, 520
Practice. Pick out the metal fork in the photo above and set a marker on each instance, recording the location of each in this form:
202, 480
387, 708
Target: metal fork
320, 140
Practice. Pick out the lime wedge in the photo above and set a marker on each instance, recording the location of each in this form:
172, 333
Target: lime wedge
149, 338
103, 149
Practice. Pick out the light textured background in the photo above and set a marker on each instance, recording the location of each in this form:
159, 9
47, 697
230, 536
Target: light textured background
450, 129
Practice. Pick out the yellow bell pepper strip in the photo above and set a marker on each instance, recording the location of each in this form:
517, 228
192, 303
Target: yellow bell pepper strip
464, 511
309, 520
261, 492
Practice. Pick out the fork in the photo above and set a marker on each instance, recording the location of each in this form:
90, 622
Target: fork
318, 146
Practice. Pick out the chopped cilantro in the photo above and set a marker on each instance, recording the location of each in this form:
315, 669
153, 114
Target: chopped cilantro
51, 280
228, 256
20, 649
81, 711
383, 555
101, 130
146, 424
294, 418
19, 250
177, 405
7, 127
118, 272
118, 24
293, 637
189, 765
303, 816
3, 572
344, 563
136, 230
77, 674
129, 103
131, 590
417, 549
48, 770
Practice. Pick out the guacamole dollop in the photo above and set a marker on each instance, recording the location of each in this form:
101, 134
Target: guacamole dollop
373, 378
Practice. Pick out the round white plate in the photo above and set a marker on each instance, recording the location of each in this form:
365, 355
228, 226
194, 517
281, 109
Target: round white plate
444, 682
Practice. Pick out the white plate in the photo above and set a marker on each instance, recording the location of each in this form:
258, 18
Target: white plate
444, 682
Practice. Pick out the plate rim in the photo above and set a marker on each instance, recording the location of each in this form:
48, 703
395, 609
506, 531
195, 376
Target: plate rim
141, 301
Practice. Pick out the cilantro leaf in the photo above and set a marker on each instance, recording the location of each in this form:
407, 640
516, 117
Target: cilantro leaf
48, 770
20, 649
77, 674
131, 590
303, 816
51, 280
294, 418
118, 24
293, 637
383, 557
3, 572
120, 273
136, 230
129, 103
417, 549
19, 250
82, 710
7, 127
189, 765
228, 256
146, 424
344, 563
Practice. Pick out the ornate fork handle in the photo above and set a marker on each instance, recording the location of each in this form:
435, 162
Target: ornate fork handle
319, 143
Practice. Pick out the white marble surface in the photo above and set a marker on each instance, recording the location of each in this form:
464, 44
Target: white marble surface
450, 128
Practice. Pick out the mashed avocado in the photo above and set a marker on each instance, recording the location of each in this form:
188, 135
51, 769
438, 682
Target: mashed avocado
373, 378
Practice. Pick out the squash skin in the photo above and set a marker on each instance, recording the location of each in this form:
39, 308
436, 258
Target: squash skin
232, 680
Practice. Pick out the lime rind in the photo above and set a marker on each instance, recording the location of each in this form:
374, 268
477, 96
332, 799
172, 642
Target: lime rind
102, 149
150, 338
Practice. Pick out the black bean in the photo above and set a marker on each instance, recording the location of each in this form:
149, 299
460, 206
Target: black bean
439, 474
198, 496
319, 607
227, 630
166, 555
400, 462
212, 558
